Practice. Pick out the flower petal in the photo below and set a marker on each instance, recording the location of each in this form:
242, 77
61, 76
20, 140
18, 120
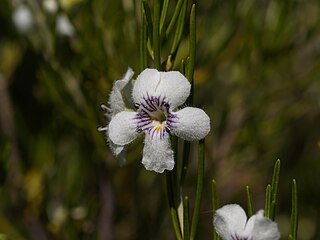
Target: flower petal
175, 87
122, 128
191, 124
146, 83
229, 221
116, 101
172, 86
260, 227
157, 154
119, 151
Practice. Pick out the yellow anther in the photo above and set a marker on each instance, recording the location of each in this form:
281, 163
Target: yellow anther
158, 128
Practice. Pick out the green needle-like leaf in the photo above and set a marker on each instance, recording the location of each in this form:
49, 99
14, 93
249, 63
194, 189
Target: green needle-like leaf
186, 221
267, 201
147, 11
156, 34
174, 17
294, 212
215, 206
250, 202
163, 14
143, 40
179, 30
192, 50
195, 218
183, 67
274, 187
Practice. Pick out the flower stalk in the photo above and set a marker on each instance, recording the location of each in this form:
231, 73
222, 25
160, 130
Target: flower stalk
215, 206
200, 176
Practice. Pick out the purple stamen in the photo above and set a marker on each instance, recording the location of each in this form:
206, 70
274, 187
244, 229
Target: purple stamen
152, 112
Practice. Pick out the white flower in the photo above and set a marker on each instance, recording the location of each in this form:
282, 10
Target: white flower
64, 26
116, 104
22, 18
156, 96
231, 223
51, 6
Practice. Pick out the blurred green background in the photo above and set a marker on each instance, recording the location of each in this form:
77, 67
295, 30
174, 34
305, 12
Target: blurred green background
257, 76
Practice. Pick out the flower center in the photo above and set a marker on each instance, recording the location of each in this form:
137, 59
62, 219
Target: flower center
154, 116
158, 116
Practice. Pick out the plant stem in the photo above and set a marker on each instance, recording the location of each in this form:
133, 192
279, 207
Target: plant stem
195, 218
186, 222
215, 206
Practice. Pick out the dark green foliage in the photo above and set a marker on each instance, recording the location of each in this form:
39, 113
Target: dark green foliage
257, 72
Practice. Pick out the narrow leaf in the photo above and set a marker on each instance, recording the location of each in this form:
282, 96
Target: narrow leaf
294, 211
274, 187
179, 30
174, 17
183, 67
267, 201
147, 11
250, 203
156, 35
143, 41
192, 51
163, 14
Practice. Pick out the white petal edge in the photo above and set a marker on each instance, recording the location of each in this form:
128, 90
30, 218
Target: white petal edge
229, 221
116, 101
192, 124
122, 128
260, 227
119, 151
157, 154
146, 83
175, 87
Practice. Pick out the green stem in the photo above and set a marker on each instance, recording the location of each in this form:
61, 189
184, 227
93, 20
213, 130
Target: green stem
186, 221
185, 161
172, 206
195, 218
215, 206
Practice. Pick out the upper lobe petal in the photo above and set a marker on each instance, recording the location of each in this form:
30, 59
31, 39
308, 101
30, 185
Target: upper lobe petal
171, 86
